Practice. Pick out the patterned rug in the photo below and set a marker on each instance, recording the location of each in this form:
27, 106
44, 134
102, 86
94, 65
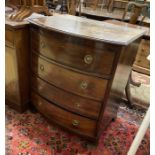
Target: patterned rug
30, 134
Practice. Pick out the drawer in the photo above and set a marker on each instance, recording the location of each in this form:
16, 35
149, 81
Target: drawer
74, 103
66, 119
9, 37
72, 81
89, 56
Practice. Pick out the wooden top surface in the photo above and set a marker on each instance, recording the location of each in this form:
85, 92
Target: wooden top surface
147, 33
15, 24
91, 29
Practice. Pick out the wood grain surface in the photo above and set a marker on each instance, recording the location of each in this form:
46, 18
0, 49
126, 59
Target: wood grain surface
66, 100
87, 28
80, 84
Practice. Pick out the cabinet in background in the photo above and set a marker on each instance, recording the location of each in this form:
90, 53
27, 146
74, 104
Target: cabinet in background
142, 64
17, 65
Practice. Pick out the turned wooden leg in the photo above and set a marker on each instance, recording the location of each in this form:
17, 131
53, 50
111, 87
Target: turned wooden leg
128, 93
128, 90
113, 119
111, 5
95, 4
72, 7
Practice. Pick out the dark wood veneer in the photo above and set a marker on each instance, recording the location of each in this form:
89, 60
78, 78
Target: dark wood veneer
66, 100
65, 49
17, 62
80, 84
64, 118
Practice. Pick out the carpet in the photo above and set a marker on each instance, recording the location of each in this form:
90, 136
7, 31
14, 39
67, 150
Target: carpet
30, 134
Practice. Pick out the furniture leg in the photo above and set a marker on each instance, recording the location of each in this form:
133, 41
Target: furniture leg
128, 90
95, 4
110, 6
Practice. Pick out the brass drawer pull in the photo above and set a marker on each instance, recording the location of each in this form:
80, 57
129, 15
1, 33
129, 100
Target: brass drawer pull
75, 123
77, 105
84, 85
40, 103
42, 44
41, 67
88, 59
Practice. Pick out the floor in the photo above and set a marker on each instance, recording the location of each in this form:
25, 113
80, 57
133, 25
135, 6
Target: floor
30, 134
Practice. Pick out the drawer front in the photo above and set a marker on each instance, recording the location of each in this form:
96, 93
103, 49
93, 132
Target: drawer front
68, 80
64, 118
9, 37
90, 56
74, 103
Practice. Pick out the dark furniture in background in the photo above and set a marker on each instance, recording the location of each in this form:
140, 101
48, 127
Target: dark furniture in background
17, 62
142, 64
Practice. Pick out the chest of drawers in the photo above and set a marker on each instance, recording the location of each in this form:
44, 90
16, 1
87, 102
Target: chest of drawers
142, 64
17, 62
79, 75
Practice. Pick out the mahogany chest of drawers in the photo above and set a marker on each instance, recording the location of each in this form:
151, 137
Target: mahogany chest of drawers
80, 70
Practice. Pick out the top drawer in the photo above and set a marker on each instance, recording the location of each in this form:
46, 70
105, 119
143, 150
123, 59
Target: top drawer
9, 37
87, 55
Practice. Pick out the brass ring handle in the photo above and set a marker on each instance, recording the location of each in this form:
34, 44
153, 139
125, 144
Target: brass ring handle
41, 67
75, 123
88, 59
77, 104
84, 85
40, 103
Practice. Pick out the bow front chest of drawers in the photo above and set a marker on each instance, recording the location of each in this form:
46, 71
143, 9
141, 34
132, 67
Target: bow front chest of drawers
80, 68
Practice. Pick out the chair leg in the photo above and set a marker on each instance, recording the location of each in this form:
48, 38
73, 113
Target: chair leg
110, 5
128, 93
128, 90
95, 4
